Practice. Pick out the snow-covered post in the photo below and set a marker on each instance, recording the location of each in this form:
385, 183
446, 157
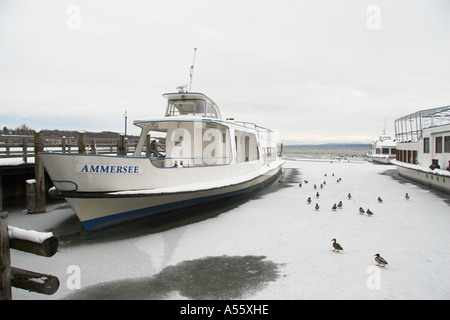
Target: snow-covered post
39, 172
5, 259
40, 243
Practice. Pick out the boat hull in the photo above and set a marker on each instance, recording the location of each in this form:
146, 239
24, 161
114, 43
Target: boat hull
101, 210
425, 176
381, 159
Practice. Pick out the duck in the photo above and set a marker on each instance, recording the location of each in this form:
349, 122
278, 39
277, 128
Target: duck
321, 186
317, 194
317, 206
361, 210
334, 207
380, 200
306, 181
349, 196
380, 260
340, 205
315, 187
308, 200
300, 185
407, 196
337, 247
369, 213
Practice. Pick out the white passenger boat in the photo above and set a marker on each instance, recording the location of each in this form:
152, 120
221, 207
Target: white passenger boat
383, 150
203, 158
423, 147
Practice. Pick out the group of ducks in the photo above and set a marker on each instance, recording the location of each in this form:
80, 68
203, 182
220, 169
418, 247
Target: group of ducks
339, 205
381, 262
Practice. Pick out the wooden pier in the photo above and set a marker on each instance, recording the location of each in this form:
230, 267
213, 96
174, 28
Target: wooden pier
19, 160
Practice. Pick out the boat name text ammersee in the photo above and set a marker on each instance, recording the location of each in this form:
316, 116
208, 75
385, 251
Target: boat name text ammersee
109, 169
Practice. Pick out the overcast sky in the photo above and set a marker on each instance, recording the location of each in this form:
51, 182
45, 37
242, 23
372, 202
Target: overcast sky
319, 71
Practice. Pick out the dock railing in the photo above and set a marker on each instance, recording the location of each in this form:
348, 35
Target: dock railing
23, 146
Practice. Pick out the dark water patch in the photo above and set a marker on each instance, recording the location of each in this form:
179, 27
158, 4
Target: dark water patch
224, 277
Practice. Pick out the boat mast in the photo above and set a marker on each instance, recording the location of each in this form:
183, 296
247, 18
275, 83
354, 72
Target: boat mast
192, 69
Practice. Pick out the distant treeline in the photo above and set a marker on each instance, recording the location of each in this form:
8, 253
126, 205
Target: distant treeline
25, 130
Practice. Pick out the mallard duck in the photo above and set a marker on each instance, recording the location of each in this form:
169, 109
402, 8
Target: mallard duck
361, 210
334, 207
317, 206
380, 260
407, 196
315, 186
317, 194
337, 247
340, 205
349, 196
369, 213
300, 184
308, 200
380, 200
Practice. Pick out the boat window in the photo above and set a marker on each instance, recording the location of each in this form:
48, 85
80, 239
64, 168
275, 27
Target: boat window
246, 146
438, 144
426, 145
447, 144
211, 111
185, 107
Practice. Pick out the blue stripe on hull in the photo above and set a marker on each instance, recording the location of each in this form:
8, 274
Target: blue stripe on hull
108, 221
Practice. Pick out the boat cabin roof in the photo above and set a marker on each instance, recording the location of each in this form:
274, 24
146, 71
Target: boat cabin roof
191, 103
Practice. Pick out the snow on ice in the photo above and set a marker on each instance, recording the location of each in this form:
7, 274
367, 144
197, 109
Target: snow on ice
279, 229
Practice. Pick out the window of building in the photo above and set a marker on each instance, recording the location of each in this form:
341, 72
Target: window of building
438, 144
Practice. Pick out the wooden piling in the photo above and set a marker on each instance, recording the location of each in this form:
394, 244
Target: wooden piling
121, 147
82, 143
5, 259
39, 173
34, 281
47, 248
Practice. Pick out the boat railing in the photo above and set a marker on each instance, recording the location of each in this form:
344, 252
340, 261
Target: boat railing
409, 128
182, 162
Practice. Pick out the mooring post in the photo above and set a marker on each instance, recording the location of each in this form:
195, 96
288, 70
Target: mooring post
1, 195
121, 147
39, 173
148, 146
5, 259
82, 142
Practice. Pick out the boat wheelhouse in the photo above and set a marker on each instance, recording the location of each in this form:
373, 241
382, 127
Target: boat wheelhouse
189, 156
423, 147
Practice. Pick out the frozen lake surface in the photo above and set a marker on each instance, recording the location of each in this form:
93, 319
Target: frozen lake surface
271, 245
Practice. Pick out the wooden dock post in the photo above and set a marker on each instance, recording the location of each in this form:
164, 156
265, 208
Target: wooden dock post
5, 259
121, 147
39, 173
82, 142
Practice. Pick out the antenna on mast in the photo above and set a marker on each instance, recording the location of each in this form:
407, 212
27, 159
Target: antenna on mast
192, 69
